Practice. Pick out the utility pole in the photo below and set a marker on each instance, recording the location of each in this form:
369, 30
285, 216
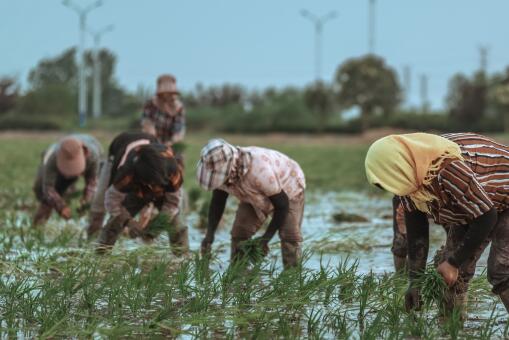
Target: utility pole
318, 23
82, 95
483, 58
424, 93
97, 90
371, 28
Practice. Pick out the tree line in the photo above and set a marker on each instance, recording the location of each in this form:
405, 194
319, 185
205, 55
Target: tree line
365, 84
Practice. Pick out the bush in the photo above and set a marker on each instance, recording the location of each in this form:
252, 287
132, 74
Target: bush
22, 122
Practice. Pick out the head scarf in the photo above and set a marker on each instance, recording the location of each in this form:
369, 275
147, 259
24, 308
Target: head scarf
404, 164
221, 163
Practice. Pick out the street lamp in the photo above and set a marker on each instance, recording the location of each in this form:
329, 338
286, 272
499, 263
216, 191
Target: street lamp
97, 90
82, 14
318, 23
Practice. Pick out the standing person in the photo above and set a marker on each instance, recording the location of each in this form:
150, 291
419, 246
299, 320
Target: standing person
164, 115
461, 181
266, 182
139, 171
61, 166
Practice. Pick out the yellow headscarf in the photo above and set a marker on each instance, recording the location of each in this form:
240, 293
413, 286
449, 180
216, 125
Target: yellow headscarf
403, 164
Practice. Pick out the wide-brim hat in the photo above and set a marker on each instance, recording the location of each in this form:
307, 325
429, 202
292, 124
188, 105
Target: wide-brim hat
216, 160
167, 83
71, 160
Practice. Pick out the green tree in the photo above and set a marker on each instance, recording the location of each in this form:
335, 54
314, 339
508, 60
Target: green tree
368, 83
466, 99
59, 70
116, 101
9, 92
498, 97
319, 99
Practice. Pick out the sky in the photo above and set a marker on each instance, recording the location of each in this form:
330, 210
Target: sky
262, 43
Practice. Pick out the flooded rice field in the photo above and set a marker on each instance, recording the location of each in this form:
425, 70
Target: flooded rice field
53, 285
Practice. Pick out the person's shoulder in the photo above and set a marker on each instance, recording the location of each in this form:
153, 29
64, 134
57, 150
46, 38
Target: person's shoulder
149, 106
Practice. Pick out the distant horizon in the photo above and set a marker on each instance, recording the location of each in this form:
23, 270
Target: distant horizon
263, 44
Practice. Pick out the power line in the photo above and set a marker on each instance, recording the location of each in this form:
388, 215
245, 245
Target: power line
82, 14
97, 89
318, 23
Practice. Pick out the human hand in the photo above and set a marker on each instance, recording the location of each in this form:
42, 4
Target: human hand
206, 246
413, 299
448, 272
66, 213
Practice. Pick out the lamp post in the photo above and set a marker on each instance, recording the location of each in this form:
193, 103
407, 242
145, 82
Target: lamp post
97, 89
82, 94
318, 23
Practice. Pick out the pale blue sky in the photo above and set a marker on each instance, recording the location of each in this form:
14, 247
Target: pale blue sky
263, 42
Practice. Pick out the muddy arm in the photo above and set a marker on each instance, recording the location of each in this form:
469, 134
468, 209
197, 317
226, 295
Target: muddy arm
281, 206
478, 231
216, 210
418, 241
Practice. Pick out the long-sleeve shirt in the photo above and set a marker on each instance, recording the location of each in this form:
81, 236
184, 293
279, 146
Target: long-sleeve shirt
468, 189
121, 186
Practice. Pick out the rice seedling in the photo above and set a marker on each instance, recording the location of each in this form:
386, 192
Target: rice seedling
432, 287
160, 223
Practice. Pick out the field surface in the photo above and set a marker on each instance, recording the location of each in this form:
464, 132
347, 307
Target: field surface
52, 284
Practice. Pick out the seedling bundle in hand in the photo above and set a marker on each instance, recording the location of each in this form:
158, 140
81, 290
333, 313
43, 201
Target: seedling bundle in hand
432, 286
157, 225
252, 250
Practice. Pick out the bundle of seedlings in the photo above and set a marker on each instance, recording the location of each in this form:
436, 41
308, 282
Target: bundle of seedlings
432, 287
157, 225
252, 250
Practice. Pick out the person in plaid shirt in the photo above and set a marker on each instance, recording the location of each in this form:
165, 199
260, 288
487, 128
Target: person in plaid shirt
164, 115
266, 182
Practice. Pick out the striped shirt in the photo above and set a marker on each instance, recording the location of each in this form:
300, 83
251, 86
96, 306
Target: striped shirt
468, 189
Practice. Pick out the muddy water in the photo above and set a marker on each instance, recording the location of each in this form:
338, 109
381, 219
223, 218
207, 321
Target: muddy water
326, 240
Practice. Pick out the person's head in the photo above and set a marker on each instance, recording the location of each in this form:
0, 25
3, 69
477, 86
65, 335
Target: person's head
167, 88
403, 164
71, 157
216, 161
156, 169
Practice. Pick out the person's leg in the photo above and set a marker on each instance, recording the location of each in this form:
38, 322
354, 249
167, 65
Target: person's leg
290, 234
179, 237
44, 210
399, 240
456, 296
171, 206
112, 229
245, 225
498, 260
97, 209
